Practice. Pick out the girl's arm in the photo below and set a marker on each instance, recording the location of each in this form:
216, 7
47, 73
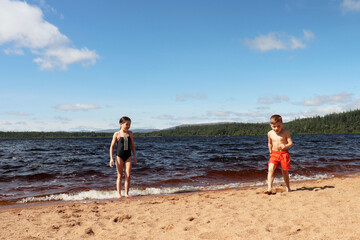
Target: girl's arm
133, 146
112, 145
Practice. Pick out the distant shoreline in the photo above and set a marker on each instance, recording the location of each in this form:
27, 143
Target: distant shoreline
336, 123
53, 135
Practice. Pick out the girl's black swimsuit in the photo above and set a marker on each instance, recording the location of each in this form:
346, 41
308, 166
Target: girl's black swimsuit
124, 148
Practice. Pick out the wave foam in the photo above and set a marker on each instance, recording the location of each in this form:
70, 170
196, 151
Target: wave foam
102, 194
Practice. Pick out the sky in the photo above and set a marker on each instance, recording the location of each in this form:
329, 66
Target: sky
82, 65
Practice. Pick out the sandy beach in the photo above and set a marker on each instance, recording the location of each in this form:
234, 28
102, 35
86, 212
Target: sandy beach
324, 209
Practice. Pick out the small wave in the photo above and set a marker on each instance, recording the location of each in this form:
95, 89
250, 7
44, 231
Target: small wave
86, 195
103, 195
299, 178
36, 150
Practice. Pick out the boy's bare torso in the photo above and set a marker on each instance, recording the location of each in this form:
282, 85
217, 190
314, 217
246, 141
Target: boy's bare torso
278, 140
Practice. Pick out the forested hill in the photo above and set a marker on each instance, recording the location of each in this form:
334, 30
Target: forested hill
346, 122
11, 135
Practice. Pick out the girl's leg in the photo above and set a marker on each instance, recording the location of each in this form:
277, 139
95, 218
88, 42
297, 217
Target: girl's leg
127, 176
285, 174
119, 168
270, 177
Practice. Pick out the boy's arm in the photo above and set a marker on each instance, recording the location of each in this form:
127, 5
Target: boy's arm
133, 147
112, 150
269, 143
289, 141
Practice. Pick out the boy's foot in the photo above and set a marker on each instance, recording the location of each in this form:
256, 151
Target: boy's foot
269, 192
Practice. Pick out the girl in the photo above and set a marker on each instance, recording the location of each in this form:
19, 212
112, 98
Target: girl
125, 141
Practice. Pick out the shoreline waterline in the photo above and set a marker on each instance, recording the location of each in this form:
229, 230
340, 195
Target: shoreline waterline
111, 195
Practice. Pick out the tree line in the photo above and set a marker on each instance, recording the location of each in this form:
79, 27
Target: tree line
11, 135
346, 122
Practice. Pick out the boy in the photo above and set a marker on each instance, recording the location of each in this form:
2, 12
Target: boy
279, 141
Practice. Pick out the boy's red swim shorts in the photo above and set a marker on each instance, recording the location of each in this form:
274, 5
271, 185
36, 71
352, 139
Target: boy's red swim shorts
281, 157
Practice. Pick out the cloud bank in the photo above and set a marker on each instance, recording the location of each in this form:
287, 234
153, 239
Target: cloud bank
272, 99
279, 41
185, 97
351, 5
77, 107
328, 99
22, 27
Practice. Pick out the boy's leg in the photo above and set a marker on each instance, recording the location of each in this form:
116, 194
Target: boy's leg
270, 177
127, 176
119, 168
285, 174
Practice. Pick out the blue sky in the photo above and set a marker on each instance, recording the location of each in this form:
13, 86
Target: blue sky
81, 65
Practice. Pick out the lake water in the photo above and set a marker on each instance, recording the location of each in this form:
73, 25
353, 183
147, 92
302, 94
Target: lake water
41, 170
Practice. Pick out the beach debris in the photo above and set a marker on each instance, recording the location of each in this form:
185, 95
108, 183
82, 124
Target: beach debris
89, 231
122, 218
55, 227
168, 227
61, 211
73, 223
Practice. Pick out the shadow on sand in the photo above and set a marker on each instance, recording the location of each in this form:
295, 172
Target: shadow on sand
313, 188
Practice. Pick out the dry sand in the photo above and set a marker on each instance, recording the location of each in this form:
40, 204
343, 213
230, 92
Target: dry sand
326, 209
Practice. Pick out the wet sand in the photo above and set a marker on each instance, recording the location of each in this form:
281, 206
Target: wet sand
324, 209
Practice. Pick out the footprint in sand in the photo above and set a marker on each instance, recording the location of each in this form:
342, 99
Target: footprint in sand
122, 218
55, 227
89, 231
73, 223
168, 227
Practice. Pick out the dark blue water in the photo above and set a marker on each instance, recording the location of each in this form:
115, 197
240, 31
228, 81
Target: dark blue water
76, 169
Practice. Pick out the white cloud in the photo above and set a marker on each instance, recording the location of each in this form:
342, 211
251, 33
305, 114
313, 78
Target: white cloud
252, 116
296, 43
351, 5
321, 111
77, 107
328, 99
62, 119
46, 7
12, 51
272, 99
165, 117
20, 114
185, 97
22, 26
220, 113
308, 35
64, 56
278, 41
354, 104
266, 43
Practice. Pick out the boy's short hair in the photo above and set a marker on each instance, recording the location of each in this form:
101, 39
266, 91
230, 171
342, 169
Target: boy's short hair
276, 119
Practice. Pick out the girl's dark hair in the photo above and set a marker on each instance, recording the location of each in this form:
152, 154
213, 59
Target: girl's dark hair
124, 119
